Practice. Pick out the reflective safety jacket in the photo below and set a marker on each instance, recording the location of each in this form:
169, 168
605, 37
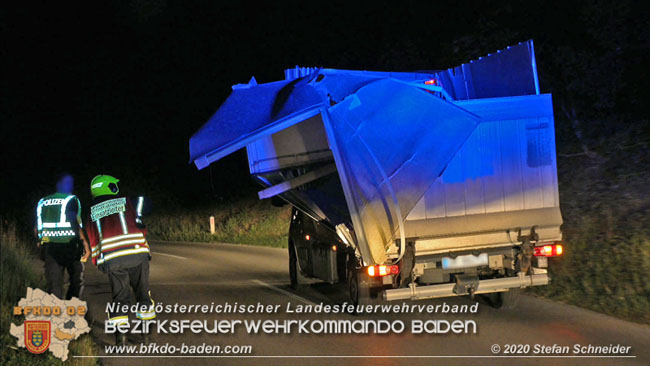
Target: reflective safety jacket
113, 231
52, 220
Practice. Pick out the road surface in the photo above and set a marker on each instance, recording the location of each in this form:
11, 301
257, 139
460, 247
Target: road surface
200, 273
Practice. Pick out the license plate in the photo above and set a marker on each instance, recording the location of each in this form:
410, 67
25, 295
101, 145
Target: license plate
465, 261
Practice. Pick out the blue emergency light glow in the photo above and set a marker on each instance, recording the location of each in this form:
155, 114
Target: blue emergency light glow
390, 136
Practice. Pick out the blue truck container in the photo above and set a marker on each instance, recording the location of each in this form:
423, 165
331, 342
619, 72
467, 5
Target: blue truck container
434, 183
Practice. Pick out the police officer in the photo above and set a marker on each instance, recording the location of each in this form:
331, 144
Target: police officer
58, 227
120, 249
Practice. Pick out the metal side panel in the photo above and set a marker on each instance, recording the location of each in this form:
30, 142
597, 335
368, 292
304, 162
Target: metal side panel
507, 164
483, 223
390, 142
251, 112
482, 230
508, 72
301, 144
504, 177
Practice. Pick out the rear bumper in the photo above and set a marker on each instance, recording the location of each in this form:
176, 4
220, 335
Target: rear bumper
451, 289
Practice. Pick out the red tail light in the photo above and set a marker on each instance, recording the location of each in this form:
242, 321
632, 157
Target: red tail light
383, 270
431, 82
552, 250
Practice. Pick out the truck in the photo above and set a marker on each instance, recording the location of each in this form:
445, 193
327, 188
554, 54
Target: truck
405, 185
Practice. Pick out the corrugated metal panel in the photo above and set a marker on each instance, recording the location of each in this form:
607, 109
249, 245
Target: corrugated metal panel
505, 165
298, 72
507, 72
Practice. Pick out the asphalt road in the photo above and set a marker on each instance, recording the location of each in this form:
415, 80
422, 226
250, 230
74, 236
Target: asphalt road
196, 273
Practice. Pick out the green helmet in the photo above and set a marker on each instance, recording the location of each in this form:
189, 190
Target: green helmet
104, 185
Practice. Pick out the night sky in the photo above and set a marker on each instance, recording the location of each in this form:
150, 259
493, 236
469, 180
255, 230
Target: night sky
118, 87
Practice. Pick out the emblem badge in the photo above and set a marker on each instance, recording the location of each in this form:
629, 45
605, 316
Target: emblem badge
37, 335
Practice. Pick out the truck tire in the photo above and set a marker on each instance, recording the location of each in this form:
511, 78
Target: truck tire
360, 293
505, 300
353, 287
297, 279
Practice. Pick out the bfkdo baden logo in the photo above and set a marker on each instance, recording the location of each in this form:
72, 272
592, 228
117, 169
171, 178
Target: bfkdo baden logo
37, 335
50, 323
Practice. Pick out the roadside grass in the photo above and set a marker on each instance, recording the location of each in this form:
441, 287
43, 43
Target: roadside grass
606, 209
17, 272
608, 275
247, 221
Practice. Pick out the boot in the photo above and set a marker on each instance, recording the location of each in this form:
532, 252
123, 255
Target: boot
146, 338
120, 339
146, 332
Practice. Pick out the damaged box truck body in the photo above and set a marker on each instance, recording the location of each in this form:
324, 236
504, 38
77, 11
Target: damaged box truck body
428, 179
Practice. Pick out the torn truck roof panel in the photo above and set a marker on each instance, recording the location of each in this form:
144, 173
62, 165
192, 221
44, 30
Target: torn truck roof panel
250, 111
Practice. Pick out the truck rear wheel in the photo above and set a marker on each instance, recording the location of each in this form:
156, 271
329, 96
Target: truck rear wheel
294, 272
359, 292
506, 299
353, 287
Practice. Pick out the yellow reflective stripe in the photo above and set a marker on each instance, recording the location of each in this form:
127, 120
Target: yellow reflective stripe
39, 211
64, 204
124, 242
99, 231
140, 203
125, 252
125, 228
79, 220
120, 237
56, 225
146, 316
119, 320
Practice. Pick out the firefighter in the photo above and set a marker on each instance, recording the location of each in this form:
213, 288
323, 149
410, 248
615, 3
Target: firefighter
63, 244
120, 249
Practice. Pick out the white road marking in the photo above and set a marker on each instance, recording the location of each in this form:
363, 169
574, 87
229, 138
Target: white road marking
286, 293
169, 255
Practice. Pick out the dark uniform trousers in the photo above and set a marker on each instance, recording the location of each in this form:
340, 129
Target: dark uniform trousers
59, 258
126, 273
